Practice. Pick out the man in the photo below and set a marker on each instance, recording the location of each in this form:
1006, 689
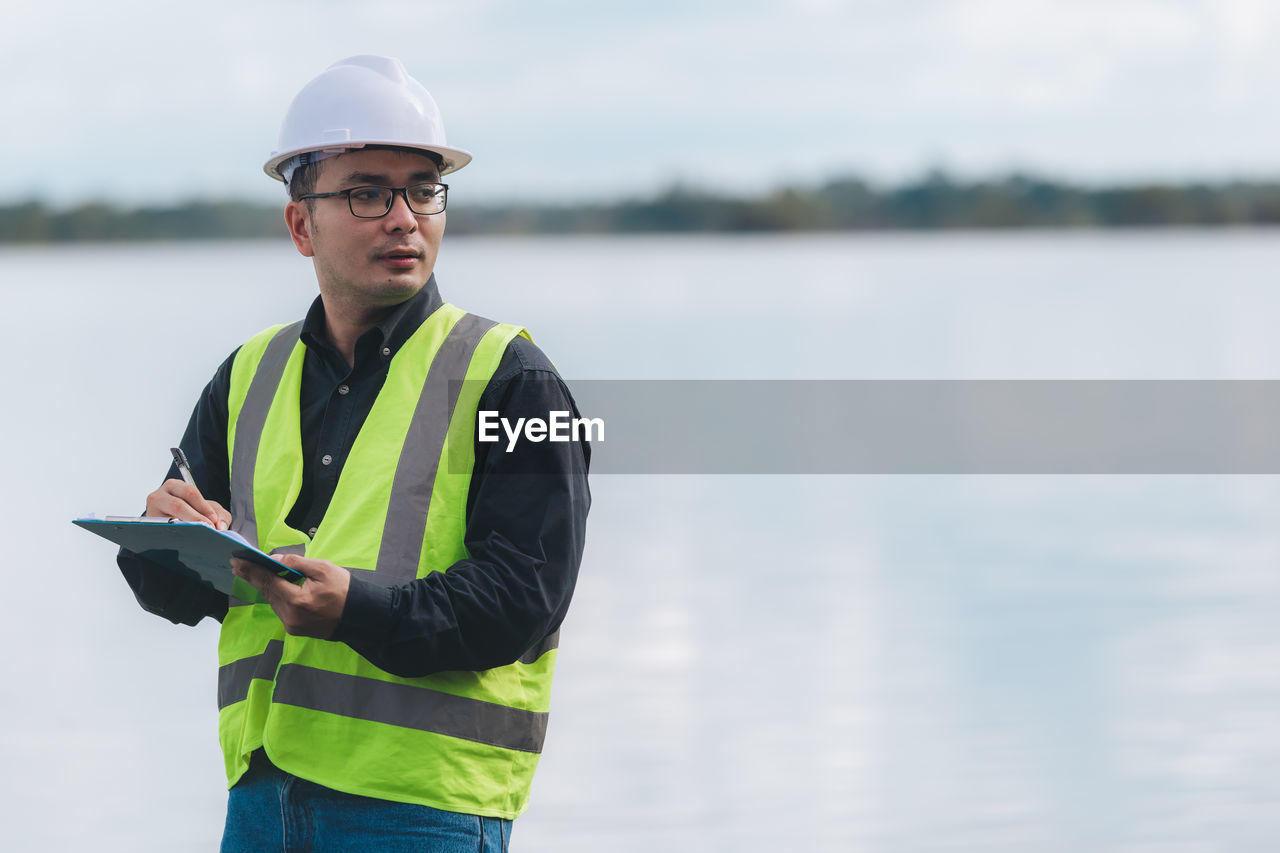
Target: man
397, 698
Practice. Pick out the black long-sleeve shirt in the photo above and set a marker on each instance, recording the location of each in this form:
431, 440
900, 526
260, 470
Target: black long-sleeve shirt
526, 509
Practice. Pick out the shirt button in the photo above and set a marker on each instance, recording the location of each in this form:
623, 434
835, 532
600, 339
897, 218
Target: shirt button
342, 389
326, 459
312, 533
386, 350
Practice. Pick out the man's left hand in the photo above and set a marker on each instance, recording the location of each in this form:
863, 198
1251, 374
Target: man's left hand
310, 610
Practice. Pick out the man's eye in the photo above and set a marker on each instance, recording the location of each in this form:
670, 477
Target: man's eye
366, 194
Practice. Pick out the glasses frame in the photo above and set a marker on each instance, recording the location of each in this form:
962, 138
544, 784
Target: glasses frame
391, 201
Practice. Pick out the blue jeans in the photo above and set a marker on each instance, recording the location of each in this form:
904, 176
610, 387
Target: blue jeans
270, 811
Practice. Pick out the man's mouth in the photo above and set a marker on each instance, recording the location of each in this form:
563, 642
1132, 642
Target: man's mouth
400, 257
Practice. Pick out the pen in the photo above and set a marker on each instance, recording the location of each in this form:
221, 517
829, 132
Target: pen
180, 459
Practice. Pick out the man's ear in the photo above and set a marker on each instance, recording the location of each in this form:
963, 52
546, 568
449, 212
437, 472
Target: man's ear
298, 217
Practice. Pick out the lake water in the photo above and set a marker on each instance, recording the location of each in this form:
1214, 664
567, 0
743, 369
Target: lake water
826, 663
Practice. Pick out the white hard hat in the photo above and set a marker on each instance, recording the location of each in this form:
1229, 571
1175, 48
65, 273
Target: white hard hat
359, 101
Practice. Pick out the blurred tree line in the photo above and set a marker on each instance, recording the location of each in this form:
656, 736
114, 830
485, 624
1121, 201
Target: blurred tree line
935, 201
35, 222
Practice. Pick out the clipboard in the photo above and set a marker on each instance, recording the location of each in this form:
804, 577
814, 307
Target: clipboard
190, 548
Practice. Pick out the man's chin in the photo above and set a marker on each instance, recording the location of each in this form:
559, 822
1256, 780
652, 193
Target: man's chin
401, 287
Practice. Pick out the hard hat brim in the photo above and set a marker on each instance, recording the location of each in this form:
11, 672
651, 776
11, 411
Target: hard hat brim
452, 159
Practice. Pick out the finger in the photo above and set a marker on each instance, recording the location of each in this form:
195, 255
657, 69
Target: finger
251, 580
324, 578
189, 493
243, 570
223, 516
307, 566
176, 499
249, 568
289, 574
255, 575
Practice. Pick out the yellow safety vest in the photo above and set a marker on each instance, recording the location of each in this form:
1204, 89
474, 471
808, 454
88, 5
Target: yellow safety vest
460, 741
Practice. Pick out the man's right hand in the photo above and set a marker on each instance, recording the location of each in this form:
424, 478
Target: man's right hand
177, 499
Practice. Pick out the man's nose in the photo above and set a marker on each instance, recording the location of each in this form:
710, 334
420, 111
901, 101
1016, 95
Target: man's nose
400, 217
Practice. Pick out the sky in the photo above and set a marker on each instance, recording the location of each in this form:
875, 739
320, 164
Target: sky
563, 100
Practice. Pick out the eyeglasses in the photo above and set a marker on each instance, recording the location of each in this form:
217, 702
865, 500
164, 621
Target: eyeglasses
374, 202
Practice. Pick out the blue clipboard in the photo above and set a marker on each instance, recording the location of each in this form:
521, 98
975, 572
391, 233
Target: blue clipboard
190, 548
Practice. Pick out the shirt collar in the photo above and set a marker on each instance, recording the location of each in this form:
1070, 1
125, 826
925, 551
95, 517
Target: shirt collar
390, 333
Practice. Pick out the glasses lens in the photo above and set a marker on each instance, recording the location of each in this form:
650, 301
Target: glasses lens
426, 198
370, 201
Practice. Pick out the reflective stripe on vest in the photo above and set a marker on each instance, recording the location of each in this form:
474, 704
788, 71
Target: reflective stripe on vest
416, 473
253, 416
383, 702
234, 678
410, 707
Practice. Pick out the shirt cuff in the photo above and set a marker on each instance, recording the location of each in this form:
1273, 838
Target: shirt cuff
366, 615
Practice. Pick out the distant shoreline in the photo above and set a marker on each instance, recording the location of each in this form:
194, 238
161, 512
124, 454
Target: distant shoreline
933, 202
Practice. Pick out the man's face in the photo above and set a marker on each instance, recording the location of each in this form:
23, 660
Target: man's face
367, 264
